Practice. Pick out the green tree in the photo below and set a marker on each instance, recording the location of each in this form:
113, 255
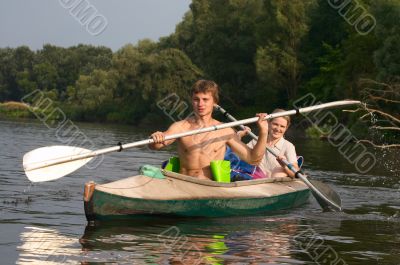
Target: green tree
387, 56
128, 91
45, 75
219, 37
326, 27
95, 90
324, 85
336, 55
278, 59
25, 82
8, 72
12, 62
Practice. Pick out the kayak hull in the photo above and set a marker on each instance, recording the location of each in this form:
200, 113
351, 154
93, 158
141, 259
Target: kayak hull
185, 196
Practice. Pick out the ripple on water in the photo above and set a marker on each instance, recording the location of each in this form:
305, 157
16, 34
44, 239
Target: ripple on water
45, 222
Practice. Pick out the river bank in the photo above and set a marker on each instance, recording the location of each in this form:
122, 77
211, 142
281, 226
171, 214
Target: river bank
15, 110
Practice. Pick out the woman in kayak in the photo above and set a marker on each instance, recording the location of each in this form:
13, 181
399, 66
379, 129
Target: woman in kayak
271, 166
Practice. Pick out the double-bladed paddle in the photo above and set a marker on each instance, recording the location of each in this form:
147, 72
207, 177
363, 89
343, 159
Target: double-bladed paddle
54, 162
326, 196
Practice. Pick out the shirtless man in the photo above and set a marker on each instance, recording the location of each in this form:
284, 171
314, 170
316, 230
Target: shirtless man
197, 151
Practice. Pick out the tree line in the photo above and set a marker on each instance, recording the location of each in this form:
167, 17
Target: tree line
263, 54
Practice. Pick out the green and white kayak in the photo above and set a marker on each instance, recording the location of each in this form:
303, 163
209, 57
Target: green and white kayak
180, 195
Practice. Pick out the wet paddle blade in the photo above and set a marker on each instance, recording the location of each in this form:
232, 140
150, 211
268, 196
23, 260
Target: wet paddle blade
48, 154
330, 199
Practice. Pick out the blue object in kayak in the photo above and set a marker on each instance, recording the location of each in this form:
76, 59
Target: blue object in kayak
240, 170
237, 164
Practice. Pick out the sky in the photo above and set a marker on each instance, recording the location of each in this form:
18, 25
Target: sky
111, 23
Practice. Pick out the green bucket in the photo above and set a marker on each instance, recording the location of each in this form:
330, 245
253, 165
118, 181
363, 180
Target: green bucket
221, 170
173, 164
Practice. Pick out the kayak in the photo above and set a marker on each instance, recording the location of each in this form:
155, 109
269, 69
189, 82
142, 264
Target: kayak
175, 194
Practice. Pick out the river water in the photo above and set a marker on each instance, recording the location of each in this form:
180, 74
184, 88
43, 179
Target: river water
44, 223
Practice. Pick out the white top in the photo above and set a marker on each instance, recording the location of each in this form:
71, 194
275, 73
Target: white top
283, 148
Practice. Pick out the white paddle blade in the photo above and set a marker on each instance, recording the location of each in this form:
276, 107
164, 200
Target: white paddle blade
43, 155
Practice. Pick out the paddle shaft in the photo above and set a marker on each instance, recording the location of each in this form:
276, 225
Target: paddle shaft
61, 160
299, 174
288, 113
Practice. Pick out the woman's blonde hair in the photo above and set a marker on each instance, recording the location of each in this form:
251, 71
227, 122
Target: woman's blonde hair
287, 118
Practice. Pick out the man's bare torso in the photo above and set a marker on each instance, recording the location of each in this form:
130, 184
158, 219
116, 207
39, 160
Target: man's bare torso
197, 151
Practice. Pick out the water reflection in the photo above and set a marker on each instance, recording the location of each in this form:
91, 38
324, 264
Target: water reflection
280, 239
46, 246
196, 241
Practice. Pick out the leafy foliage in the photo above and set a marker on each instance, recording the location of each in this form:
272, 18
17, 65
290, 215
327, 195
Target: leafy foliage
263, 54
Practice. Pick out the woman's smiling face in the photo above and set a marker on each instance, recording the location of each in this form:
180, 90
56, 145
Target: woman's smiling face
278, 127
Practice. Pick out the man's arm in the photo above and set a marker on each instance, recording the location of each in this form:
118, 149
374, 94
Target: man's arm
159, 137
255, 155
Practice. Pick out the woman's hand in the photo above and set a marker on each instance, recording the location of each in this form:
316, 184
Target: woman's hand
280, 160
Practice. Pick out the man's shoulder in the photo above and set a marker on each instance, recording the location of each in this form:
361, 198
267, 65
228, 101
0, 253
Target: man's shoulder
216, 122
181, 122
180, 125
